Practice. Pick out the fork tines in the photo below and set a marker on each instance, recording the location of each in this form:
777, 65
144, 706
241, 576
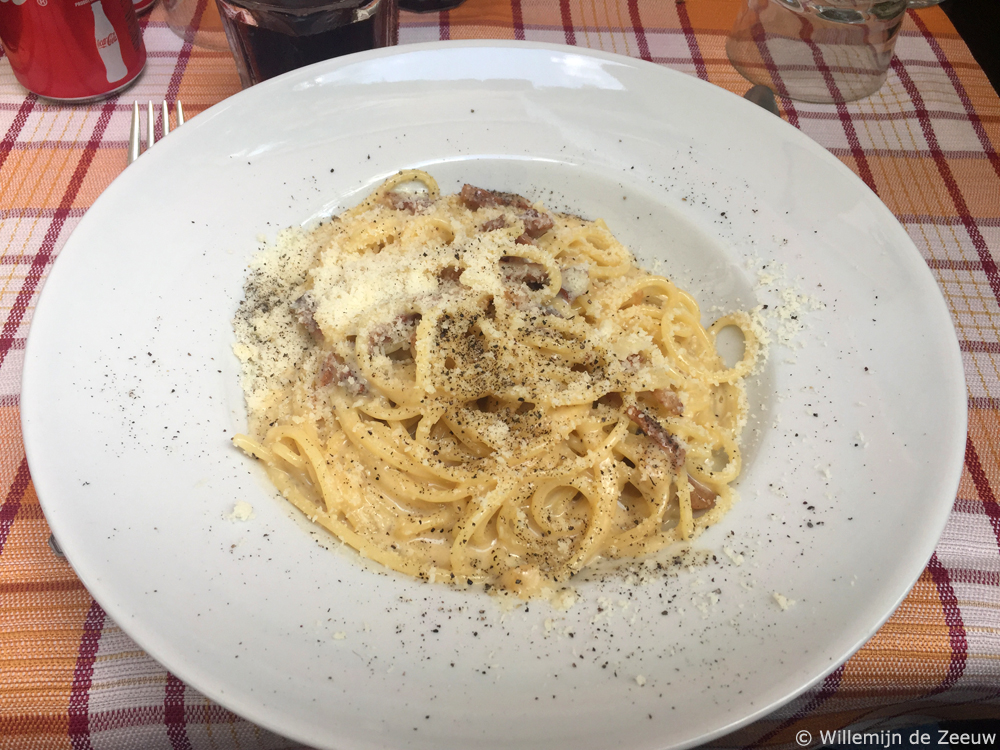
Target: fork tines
134, 137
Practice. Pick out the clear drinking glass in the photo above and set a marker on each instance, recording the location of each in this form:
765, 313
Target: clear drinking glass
199, 19
817, 50
271, 37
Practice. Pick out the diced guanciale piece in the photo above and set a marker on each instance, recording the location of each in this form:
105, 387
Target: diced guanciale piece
304, 310
669, 400
519, 270
410, 203
335, 370
536, 223
702, 498
494, 224
658, 434
475, 198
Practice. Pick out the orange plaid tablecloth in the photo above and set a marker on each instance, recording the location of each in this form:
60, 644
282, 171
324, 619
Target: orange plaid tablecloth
926, 143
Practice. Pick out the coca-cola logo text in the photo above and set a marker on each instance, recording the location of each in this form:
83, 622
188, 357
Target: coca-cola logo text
107, 41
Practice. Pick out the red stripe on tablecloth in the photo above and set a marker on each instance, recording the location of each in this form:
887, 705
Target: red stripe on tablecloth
173, 714
777, 85
567, 22
34, 275
937, 114
914, 154
982, 482
980, 577
829, 689
10, 137
989, 266
8, 107
445, 25
953, 618
8, 588
640, 32
987, 347
18, 343
980, 402
692, 41
36, 213
517, 18
67, 145
864, 169
805, 34
970, 110
946, 221
954, 265
182, 59
105, 721
971, 507
12, 503
79, 697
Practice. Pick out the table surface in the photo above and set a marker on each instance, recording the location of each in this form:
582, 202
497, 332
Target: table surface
926, 143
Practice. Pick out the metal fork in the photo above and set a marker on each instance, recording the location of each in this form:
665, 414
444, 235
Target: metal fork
133, 136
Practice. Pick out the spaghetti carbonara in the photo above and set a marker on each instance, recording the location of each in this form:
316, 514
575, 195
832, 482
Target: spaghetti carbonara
471, 388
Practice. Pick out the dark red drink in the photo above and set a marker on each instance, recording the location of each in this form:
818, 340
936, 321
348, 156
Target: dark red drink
272, 37
429, 6
72, 50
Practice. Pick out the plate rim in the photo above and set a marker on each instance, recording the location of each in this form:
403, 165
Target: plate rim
32, 360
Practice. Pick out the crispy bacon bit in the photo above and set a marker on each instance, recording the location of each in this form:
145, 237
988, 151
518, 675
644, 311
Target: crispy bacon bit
335, 370
391, 335
410, 203
519, 270
304, 310
475, 198
536, 223
658, 434
702, 498
669, 400
493, 224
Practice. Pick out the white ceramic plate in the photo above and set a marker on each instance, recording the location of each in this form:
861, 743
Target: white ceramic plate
131, 394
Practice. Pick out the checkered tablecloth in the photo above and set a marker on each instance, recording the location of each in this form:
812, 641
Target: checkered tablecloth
926, 143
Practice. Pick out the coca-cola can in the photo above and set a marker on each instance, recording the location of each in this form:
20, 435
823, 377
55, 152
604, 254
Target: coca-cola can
141, 6
72, 50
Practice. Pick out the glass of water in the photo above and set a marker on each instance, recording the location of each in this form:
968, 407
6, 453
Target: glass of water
817, 50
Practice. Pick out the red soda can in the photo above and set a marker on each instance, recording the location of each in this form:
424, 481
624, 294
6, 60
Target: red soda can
72, 50
141, 6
